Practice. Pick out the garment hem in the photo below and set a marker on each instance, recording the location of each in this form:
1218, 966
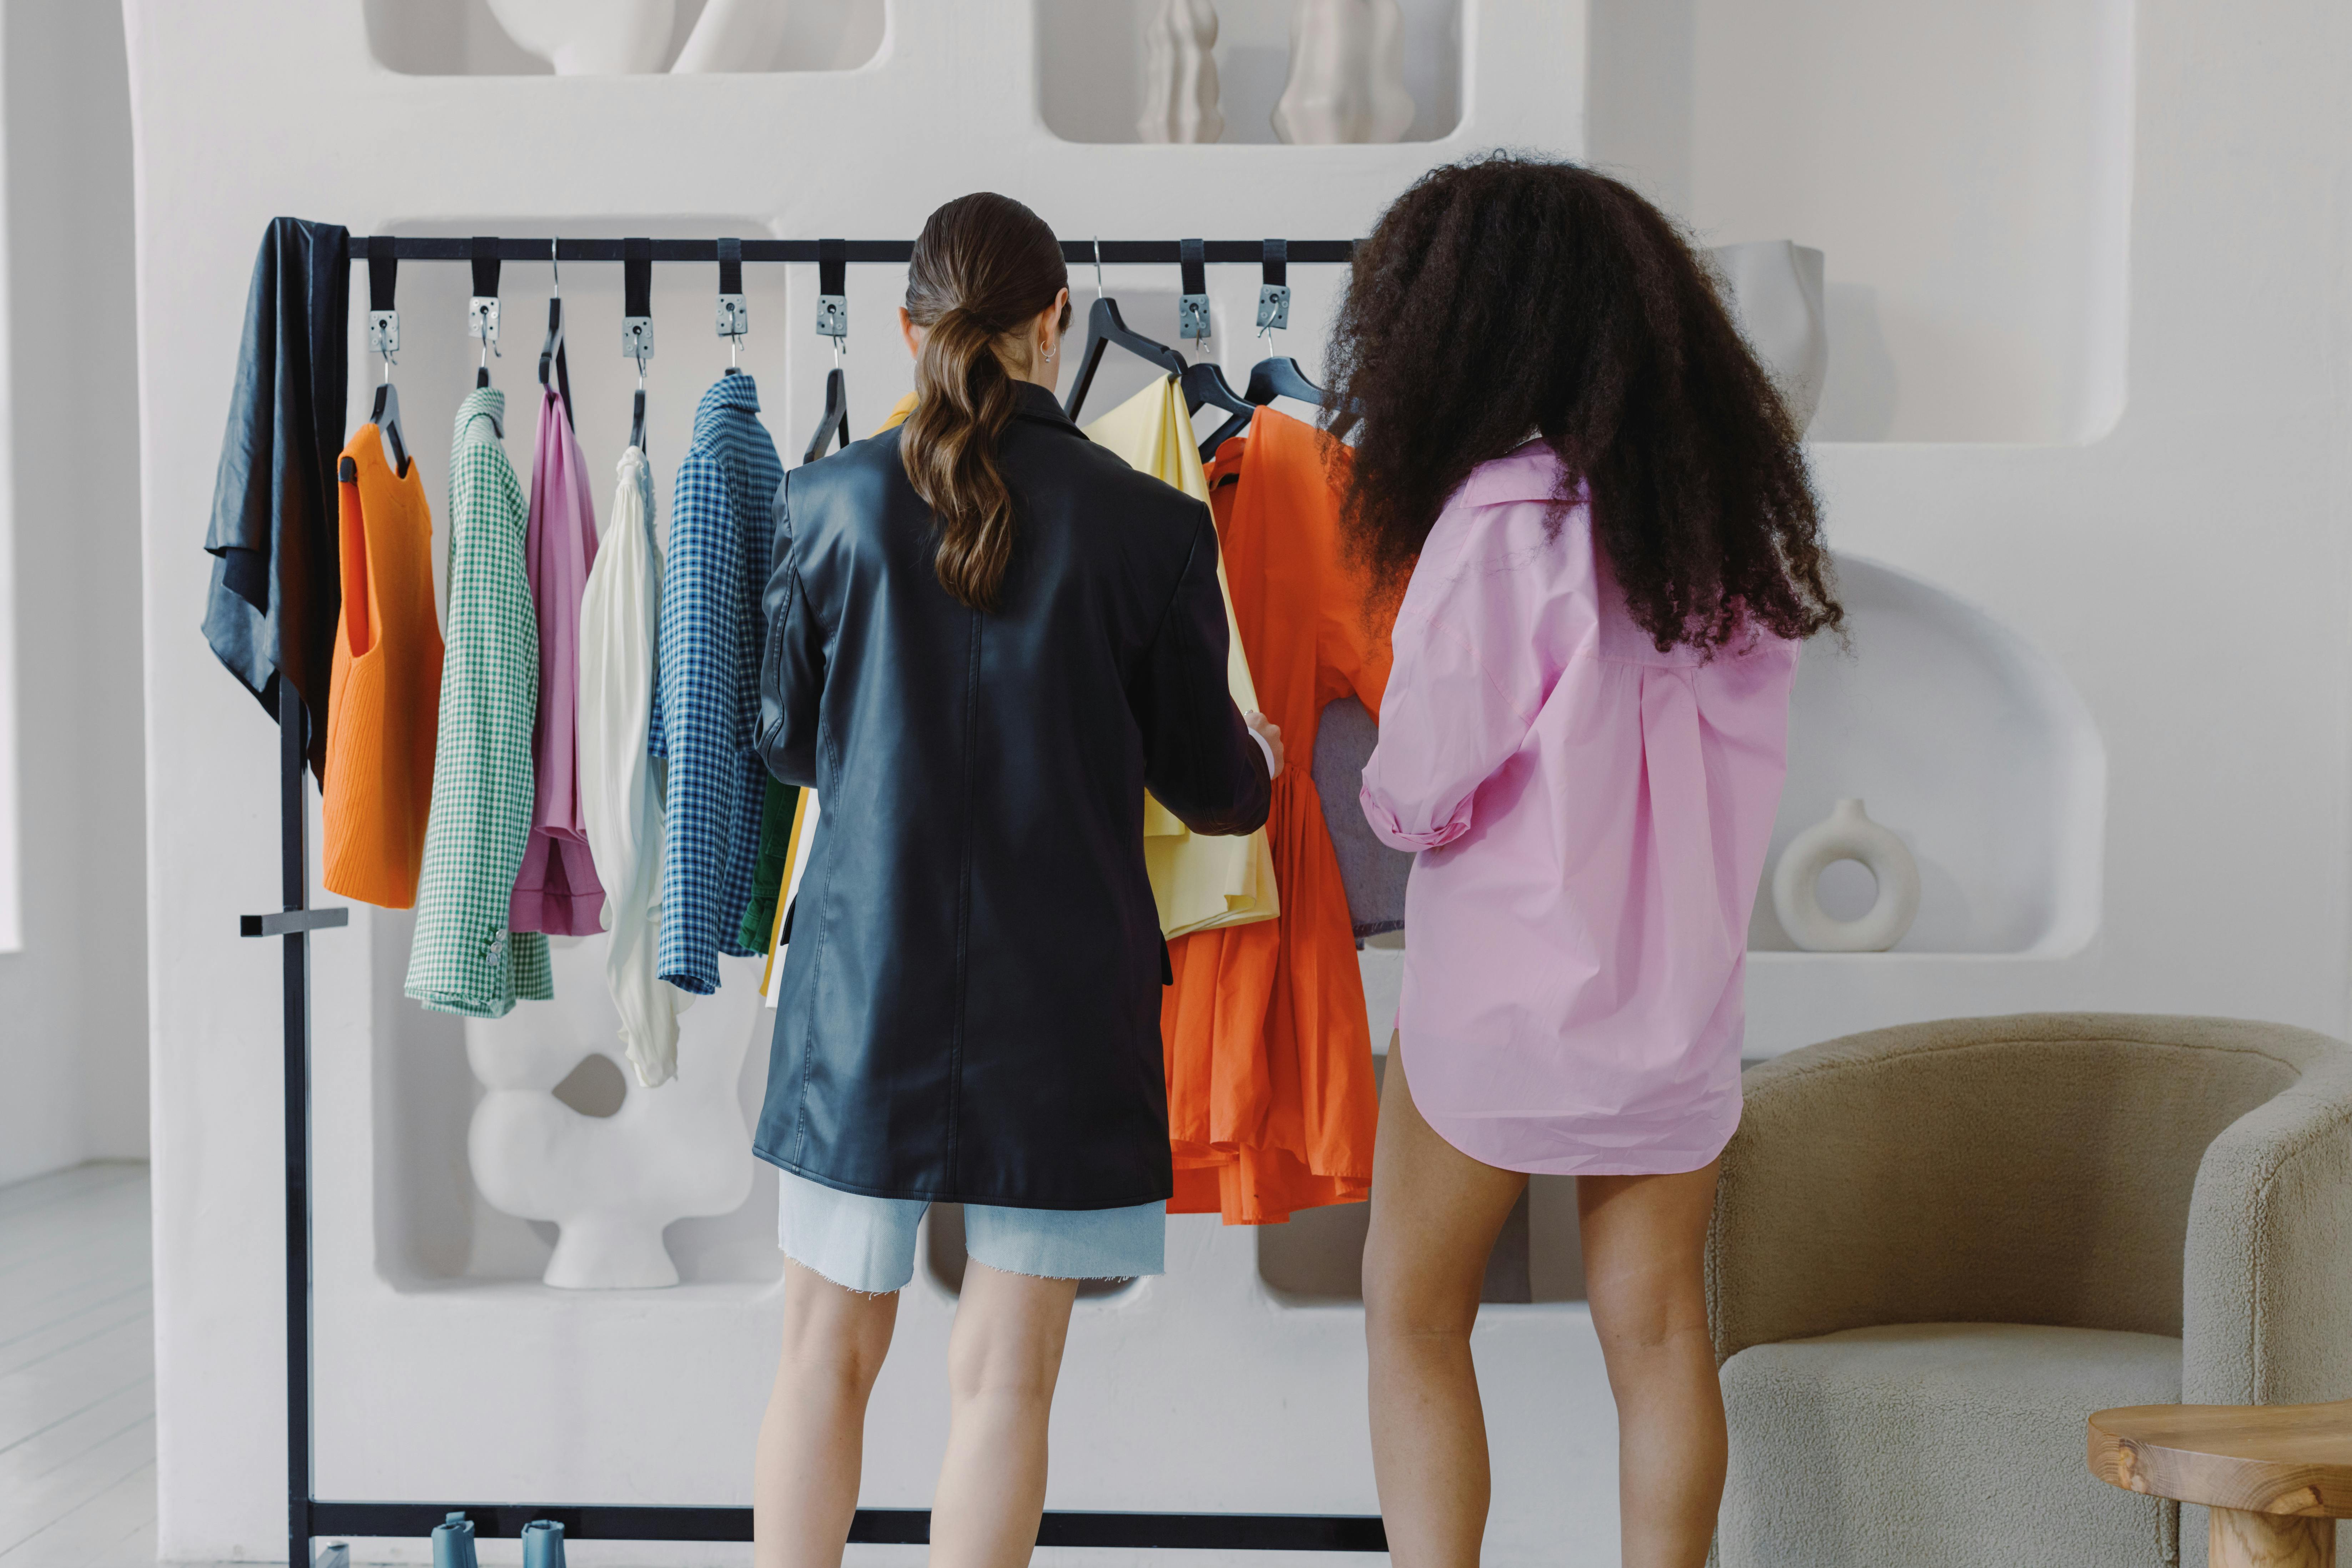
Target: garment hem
1650, 1159
844, 1284
988, 1201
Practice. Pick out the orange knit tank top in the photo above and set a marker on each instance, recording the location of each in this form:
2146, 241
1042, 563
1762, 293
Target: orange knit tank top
384, 705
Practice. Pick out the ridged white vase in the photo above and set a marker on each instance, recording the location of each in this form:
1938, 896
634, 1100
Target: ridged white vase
1180, 74
590, 37
1848, 834
1347, 74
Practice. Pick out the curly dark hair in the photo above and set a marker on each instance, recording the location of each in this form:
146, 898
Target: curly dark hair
1509, 296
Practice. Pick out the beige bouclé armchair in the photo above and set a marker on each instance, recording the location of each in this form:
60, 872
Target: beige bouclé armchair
1937, 1248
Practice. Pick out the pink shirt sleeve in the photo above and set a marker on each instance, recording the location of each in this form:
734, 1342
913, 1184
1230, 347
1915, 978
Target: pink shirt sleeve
1468, 678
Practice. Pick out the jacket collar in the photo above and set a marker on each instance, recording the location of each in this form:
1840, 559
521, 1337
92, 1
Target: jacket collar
483, 402
1032, 401
728, 394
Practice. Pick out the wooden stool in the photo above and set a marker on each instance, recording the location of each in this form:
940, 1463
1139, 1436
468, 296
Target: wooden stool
2277, 1477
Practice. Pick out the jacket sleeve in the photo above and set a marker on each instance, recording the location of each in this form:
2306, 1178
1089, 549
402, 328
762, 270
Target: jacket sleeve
791, 677
1199, 759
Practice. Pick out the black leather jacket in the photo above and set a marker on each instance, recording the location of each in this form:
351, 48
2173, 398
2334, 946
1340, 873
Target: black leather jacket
971, 1003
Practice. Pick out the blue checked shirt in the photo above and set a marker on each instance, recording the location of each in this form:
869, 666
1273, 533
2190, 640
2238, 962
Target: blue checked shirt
706, 687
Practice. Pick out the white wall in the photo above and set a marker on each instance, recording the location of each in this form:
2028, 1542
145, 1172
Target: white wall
2181, 560
73, 1016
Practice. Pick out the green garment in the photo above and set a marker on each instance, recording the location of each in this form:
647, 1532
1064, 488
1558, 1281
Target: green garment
768, 871
463, 958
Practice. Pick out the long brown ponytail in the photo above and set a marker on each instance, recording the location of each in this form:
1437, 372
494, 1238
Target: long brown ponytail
983, 267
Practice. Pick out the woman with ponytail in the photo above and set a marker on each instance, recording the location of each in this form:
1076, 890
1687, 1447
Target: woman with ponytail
985, 638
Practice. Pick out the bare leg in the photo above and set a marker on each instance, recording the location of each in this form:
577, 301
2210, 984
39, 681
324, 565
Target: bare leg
1435, 1215
812, 1441
1003, 1357
1643, 1243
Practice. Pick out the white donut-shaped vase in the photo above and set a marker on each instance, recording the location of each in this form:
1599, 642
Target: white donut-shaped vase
1847, 835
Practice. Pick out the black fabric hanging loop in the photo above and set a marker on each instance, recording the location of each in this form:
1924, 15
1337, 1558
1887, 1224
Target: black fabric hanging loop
637, 324
1192, 308
553, 359
482, 310
1274, 287
833, 292
734, 315
831, 321
383, 339
383, 319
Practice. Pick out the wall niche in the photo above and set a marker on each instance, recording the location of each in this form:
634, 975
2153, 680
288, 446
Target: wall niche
465, 37
1967, 169
1090, 65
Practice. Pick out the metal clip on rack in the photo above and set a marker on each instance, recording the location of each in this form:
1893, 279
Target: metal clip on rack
309, 1516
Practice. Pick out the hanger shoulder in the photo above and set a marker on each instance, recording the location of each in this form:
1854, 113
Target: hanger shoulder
833, 424
386, 420
1281, 377
1107, 328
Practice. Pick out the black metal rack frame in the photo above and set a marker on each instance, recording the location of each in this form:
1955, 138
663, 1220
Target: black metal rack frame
309, 1516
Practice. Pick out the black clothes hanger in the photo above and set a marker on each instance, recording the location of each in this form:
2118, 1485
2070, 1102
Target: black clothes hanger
834, 424
1106, 329
734, 315
637, 324
1205, 386
1281, 377
383, 337
552, 358
831, 321
482, 310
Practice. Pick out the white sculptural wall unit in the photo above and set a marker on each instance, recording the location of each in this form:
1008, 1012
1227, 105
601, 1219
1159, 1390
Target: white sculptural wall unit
2007, 518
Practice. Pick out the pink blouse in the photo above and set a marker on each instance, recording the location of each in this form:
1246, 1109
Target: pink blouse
1592, 816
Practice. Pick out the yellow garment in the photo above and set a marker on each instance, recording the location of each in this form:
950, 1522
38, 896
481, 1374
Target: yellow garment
1199, 883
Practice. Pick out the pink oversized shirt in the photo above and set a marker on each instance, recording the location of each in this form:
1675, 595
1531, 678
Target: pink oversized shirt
557, 891
1590, 816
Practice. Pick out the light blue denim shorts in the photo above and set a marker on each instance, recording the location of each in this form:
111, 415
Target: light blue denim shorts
868, 1243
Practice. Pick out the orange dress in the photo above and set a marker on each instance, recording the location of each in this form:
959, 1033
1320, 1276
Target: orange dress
384, 706
1271, 1099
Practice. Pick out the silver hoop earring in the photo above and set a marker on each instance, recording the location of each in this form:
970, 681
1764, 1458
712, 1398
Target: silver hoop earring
1050, 355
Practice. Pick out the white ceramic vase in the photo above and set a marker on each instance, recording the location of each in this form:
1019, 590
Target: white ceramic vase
611, 1184
590, 37
1180, 74
1775, 294
1347, 74
734, 35
1847, 834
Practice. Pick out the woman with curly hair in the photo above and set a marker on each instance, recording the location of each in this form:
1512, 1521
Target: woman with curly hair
1590, 508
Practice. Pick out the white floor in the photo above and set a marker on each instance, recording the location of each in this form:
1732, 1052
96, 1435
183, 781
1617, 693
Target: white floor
77, 1370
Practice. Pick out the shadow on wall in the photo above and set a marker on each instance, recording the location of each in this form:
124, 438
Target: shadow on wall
462, 38
1862, 393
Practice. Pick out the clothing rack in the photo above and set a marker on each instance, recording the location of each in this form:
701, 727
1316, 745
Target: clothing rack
309, 1516
1114, 252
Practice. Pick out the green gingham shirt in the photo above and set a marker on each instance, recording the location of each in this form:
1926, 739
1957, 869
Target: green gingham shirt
463, 959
